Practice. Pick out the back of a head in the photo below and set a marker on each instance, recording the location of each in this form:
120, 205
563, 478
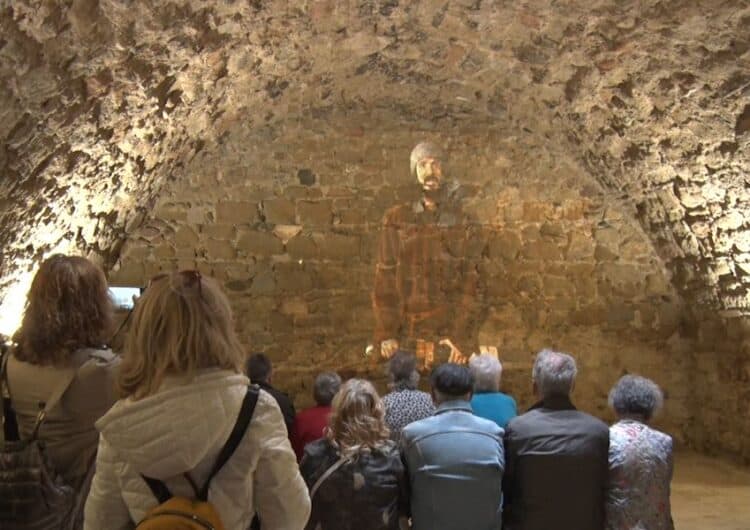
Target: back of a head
182, 323
259, 367
452, 381
68, 307
554, 373
486, 370
357, 419
403, 369
326, 386
634, 396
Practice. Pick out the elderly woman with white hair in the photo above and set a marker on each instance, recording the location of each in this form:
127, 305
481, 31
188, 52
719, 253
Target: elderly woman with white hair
488, 402
640, 459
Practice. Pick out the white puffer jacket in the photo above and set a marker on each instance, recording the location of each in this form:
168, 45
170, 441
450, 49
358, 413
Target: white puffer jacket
182, 428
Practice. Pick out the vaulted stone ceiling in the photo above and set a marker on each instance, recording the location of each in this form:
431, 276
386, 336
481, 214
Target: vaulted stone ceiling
103, 101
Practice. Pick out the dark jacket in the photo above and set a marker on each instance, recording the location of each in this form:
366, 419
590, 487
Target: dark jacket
556, 469
368, 493
285, 404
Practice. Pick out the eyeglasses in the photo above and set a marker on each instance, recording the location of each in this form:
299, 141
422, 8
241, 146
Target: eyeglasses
189, 279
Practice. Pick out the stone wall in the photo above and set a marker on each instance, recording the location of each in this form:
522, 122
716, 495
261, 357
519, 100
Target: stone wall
288, 221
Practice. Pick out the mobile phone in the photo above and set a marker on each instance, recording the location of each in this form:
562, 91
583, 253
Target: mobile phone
124, 297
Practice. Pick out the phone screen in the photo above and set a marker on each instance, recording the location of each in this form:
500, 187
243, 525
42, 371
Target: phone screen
123, 296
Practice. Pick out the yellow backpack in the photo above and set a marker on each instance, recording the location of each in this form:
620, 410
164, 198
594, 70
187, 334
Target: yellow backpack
182, 513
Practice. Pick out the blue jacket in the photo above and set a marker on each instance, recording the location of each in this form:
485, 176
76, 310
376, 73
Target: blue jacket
494, 406
455, 465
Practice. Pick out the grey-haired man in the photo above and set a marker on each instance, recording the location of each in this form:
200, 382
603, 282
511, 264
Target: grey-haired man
556, 456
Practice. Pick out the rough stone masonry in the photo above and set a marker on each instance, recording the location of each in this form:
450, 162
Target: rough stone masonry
604, 145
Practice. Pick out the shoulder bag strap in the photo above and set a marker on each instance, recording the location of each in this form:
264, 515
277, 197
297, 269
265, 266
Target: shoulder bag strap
330, 471
243, 420
57, 393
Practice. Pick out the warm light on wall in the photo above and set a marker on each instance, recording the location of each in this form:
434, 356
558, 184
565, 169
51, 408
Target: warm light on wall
11, 309
13, 303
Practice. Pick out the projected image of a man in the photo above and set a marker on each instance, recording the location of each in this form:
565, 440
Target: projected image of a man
425, 285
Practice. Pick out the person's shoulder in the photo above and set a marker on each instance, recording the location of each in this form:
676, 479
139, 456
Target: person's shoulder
312, 412
96, 363
418, 428
662, 438
319, 448
488, 426
596, 426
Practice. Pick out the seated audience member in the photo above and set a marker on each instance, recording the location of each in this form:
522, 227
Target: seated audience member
355, 474
182, 389
310, 423
454, 460
487, 401
640, 459
405, 404
67, 321
260, 370
556, 456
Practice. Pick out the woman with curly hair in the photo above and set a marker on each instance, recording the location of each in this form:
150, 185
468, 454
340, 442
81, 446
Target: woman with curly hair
60, 345
640, 459
355, 474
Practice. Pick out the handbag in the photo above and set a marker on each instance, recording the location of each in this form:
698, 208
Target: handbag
33, 496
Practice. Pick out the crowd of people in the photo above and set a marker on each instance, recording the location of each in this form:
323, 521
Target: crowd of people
127, 438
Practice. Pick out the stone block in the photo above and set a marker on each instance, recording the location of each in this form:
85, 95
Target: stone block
258, 243
170, 211
219, 231
293, 278
263, 283
504, 245
186, 237
302, 246
541, 250
731, 221
236, 212
602, 253
218, 249
315, 213
339, 247
558, 286
553, 230
580, 246
279, 211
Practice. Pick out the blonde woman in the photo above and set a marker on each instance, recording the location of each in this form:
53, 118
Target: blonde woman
355, 474
182, 386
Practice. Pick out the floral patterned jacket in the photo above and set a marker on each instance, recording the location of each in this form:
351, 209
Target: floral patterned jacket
640, 472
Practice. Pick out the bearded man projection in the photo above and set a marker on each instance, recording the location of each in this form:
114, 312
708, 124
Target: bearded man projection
425, 284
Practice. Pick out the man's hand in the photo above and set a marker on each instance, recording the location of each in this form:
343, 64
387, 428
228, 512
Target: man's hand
388, 348
456, 356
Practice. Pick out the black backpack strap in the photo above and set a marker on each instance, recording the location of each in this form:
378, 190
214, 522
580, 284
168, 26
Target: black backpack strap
10, 423
243, 420
160, 490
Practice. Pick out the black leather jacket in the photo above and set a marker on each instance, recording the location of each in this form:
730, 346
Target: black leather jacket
368, 493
